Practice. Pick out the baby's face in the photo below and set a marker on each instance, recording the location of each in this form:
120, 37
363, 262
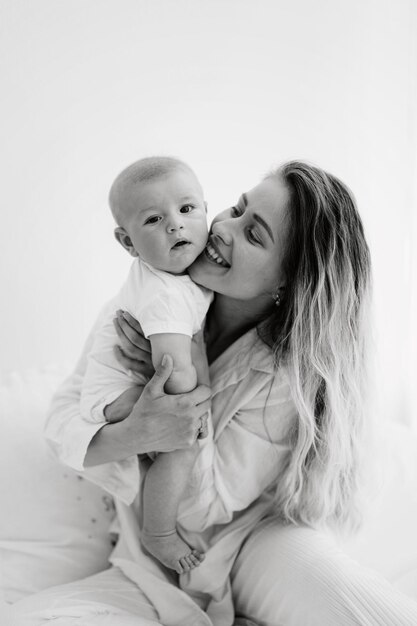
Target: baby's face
166, 220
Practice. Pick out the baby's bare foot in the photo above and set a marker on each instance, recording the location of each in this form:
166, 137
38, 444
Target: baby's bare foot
172, 551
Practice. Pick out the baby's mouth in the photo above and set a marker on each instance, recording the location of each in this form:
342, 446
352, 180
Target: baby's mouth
213, 255
180, 244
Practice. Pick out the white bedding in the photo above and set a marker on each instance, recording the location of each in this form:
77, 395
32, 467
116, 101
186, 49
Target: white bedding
54, 525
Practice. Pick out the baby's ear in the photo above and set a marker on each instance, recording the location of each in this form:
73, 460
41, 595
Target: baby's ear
124, 240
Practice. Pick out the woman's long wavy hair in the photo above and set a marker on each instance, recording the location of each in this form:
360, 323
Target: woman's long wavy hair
321, 331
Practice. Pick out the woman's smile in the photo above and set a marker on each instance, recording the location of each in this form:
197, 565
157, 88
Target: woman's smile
213, 254
242, 258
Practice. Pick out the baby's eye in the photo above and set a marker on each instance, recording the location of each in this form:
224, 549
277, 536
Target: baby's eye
154, 219
186, 208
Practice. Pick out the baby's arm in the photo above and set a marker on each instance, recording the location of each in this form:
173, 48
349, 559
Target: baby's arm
184, 374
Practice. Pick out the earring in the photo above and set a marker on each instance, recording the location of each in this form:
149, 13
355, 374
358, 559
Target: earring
277, 298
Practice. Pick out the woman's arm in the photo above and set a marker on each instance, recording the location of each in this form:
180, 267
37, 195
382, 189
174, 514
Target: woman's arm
157, 422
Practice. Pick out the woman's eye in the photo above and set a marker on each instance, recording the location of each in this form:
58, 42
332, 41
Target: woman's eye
236, 211
253, 236
186, 208
153, 220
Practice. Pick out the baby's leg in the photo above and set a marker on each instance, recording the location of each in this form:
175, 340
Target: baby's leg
164, 485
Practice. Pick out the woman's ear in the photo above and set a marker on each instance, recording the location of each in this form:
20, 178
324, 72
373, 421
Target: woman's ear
124, 240
278, 295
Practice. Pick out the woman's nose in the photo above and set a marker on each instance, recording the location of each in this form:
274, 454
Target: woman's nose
222, 230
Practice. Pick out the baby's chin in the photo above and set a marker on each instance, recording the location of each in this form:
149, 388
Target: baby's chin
181, 266
177, 268
179, 262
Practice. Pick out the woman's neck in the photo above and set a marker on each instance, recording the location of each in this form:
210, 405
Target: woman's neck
228, 320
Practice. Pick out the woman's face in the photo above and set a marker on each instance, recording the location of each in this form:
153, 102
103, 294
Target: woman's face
243, 257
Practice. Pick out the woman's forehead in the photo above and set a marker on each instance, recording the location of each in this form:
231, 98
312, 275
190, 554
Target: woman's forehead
269, 199
271, 192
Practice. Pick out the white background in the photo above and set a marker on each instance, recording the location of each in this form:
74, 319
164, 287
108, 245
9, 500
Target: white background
234, 87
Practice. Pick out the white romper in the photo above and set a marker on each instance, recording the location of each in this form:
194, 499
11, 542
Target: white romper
162, 303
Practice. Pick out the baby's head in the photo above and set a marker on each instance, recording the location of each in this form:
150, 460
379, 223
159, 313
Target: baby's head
159, 208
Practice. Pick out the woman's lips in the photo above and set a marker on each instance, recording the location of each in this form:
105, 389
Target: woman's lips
214, 255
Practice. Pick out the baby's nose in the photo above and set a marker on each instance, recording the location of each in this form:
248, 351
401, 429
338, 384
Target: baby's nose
174, 224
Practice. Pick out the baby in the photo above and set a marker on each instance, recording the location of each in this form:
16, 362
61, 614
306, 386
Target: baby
159, 208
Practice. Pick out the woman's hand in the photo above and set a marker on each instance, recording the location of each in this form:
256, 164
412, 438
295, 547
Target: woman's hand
161, 422
158, 422
135, 355
134, 352
199, 358
120, 408
200, 362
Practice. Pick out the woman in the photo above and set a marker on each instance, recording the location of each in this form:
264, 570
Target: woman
286, 342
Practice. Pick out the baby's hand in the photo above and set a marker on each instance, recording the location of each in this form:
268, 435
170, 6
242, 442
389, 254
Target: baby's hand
122, 407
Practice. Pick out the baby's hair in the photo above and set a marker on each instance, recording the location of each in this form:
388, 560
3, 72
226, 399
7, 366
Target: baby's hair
142, 171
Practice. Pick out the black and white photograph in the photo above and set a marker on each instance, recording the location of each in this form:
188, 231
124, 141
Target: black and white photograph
208, 275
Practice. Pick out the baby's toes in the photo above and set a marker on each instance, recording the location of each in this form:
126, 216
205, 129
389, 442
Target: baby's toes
178, 567
200, 556
198, 559
193, 560
185, 565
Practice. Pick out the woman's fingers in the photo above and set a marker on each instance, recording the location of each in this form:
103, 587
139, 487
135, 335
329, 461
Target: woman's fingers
198, 337
124, 360
134, 352
203, 428
200, 396
132, 321
173, 420
132, 330
156, 385
132, 364
199, 405
130, 349
126, 345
